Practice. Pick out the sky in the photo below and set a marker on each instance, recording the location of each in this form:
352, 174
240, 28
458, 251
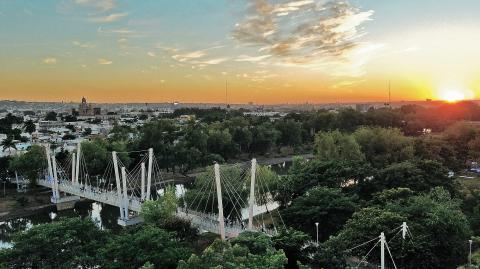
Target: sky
262, 51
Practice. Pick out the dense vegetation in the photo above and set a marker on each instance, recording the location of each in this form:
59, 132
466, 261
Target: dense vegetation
371, 172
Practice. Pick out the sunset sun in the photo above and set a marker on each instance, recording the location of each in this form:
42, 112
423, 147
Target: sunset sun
452, 96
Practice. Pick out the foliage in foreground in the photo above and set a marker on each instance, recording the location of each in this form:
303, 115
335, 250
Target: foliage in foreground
247, 251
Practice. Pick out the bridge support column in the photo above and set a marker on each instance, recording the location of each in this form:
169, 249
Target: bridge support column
77, 169
65, 202
221, 220
125, 194
73, 167
119, 187
142, 194
149, 176
55, 178
126, 220
50, 171
251, 201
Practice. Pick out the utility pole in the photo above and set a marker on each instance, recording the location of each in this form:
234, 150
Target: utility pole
382, 250
316, 224
470, 253
404, 230
226, 94
251, 201
149, 176
117, 181
221, 221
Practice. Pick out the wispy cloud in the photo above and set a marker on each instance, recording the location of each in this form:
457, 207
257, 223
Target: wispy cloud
50, 60
104, 61
100, 5
246, 58
109, 18
86, 45
124, 31
151, 54
302, 32
189, 56
213, 61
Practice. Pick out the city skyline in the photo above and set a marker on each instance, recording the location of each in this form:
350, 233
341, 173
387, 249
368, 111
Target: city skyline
269, 51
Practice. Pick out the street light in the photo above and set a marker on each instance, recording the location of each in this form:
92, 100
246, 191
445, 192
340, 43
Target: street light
470, 255
316, 224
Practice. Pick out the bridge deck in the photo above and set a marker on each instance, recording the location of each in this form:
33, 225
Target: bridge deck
206, 222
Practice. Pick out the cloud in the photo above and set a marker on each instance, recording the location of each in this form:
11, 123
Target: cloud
50, 60
109, 18
124, 31
246, 58
302, 32
151, 54
104, 61
213, 61
100, 5
189, 56
83, 44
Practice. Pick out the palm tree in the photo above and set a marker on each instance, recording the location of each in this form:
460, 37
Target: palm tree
8, 144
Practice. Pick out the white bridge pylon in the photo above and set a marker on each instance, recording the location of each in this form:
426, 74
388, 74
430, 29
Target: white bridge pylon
129, 189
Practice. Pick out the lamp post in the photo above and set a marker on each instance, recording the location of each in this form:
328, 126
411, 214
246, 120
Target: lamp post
316, 225
470, 253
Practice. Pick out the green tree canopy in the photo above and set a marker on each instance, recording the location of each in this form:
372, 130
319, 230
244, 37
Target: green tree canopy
440, 232
247, 251
31, 164
384, 146
63, 244
327, 206
337, 146
133, 248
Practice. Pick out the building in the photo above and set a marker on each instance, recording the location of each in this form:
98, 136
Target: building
86, 109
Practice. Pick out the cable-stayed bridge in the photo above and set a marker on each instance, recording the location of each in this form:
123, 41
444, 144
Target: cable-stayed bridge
225, 199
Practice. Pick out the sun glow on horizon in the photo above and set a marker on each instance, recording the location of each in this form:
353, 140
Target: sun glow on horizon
452, 96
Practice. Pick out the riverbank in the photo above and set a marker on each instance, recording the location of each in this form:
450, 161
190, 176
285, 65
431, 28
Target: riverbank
16, 205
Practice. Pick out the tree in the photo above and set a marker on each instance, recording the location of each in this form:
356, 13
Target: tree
290, 132
304, 175
264, 137
439, 228
247, 251
66, 243
51, 116
295, 244
134, 248
71, 128
220, 142
8, 144
327, 206
159, 135
30, 164
337, 146
87, 131
29, 126
384, 146
156, 212
420, 176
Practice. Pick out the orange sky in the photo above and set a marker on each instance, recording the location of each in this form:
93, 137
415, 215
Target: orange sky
126, 51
